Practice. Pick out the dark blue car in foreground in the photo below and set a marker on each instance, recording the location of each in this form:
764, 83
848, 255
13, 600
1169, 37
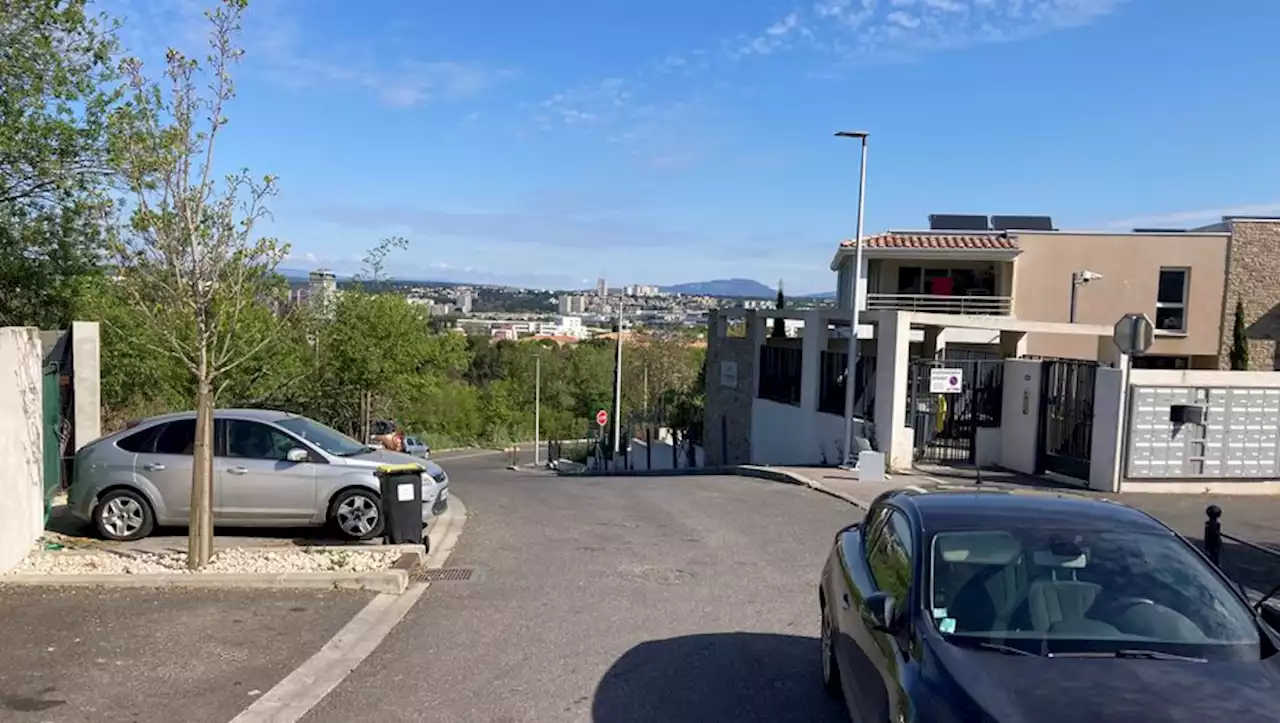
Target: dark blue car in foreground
1001, 607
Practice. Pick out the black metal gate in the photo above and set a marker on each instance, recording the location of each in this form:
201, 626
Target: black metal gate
1066, 416
946, 424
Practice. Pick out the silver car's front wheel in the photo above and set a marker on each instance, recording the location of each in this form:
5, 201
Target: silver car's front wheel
357, 515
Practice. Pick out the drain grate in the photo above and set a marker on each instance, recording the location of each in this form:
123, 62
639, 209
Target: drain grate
447, 574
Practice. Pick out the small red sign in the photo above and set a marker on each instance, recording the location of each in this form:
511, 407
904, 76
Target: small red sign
602, 417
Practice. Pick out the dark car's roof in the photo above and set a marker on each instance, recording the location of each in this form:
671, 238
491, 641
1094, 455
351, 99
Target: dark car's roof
970, 508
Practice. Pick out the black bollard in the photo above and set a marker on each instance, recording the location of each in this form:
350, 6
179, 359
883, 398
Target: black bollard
1213, 534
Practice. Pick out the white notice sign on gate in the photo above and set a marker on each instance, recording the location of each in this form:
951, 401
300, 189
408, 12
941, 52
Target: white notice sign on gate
945, 381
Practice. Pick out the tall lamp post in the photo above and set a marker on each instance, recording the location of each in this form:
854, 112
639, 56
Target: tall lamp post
851, 371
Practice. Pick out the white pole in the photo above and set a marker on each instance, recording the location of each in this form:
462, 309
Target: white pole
537, 410
617, 391
851, 370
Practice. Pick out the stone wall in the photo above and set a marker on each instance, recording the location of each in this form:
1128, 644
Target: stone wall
21, 443
1253, 277
731, 374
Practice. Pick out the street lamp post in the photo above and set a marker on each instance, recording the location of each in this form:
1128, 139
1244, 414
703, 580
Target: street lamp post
851, 370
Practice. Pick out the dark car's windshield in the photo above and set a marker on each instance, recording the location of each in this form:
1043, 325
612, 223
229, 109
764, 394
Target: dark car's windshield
326, 438
1053, 591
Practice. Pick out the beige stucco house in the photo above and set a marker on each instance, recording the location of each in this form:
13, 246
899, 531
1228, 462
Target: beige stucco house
1187, 281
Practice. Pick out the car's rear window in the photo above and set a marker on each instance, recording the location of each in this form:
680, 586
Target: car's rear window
140, 441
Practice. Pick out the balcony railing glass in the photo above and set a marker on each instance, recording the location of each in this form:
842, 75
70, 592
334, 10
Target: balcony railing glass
936, 304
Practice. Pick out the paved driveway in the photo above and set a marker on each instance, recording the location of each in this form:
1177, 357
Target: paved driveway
76, 655
628, 599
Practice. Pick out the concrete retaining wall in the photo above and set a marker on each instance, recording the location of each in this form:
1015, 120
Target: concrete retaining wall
21, 443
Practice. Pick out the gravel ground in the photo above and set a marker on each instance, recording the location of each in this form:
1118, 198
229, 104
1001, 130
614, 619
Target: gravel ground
234, 560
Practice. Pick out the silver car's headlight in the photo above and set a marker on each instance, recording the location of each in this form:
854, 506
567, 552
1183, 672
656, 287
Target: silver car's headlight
440, 476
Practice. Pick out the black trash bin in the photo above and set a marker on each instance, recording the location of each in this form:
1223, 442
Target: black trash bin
401, 503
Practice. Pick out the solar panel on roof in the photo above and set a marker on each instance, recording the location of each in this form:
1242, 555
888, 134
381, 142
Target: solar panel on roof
957, 222
1022, 223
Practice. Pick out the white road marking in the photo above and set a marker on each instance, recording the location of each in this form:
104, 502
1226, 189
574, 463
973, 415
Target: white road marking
302, 689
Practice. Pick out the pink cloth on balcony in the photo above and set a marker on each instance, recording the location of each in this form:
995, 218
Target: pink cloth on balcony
941, 287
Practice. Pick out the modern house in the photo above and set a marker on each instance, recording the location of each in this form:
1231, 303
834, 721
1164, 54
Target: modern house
970, 291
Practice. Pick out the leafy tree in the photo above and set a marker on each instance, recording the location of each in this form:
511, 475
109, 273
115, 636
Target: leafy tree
57, 88
189, 257
1239, 340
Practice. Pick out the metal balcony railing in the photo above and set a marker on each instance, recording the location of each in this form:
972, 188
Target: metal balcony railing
935, 304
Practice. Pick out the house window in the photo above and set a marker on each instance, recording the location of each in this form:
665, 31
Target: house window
1171, 300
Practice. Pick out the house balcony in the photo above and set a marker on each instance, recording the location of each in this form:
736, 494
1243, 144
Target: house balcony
977, 304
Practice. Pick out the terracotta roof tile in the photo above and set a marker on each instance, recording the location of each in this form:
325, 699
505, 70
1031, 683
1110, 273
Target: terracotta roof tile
960, 241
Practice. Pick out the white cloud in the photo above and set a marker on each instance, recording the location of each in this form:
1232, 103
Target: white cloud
277, 45
1198, 216
861, 31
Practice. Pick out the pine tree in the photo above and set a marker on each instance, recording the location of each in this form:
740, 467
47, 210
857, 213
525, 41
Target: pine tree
780, 324
1239, 342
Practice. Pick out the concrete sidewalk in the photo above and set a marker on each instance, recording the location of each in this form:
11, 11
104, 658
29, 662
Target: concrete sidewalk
845, 484
154, 656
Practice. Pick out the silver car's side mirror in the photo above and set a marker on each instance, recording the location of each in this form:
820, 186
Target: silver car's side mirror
297, 454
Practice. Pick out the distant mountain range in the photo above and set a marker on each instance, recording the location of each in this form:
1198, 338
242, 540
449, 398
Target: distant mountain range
737, 288
744, 288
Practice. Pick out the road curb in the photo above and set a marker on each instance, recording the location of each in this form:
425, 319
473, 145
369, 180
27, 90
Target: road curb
772, 474
392, 581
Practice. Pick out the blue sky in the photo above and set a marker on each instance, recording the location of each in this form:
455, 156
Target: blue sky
661, 141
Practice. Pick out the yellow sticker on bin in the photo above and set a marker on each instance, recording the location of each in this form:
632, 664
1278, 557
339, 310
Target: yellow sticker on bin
395, 468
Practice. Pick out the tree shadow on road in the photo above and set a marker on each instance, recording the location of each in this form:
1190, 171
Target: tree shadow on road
740, 677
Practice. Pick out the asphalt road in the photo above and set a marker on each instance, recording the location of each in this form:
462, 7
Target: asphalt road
610, 600
76, 654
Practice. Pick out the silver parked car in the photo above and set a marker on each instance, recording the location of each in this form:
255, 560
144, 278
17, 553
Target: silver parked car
270, 469
417, 447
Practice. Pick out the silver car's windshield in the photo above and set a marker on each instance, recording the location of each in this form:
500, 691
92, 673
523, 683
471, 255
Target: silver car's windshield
1053, 591
326, 438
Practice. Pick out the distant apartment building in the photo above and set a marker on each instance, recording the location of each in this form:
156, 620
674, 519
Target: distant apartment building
466, 296
322, 291
572, 304
641, 290
602, 288
568, 326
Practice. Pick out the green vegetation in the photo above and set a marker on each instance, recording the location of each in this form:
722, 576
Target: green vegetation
452, 389
1239, 340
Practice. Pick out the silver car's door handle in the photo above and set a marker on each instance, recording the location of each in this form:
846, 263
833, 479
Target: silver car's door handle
844, 601
153, 467
238, 470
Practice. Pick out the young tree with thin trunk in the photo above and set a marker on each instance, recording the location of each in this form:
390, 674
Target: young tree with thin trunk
188, 257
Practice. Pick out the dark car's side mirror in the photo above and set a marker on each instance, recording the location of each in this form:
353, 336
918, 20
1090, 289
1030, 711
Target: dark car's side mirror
879, 613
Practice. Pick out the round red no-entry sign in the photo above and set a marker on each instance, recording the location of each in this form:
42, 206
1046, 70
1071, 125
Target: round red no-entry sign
602, 417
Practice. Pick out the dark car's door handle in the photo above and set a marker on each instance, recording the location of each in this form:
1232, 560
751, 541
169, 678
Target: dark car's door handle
844, 601
153, 467
238, 470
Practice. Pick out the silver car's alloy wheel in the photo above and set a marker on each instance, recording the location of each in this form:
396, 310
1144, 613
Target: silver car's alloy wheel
357, 515
122, 516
